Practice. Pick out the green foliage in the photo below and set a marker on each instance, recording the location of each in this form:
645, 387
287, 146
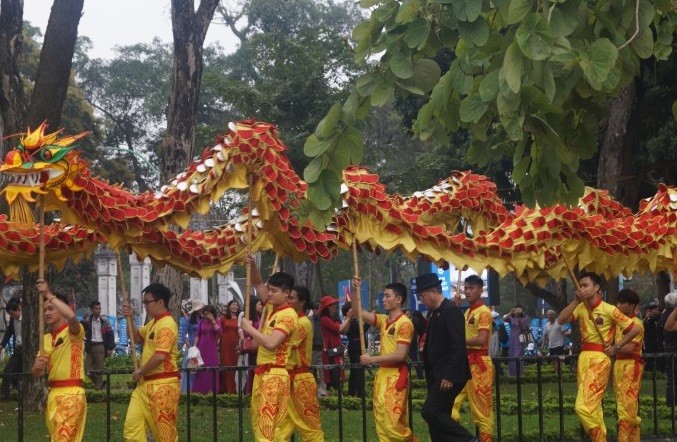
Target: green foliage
531, 77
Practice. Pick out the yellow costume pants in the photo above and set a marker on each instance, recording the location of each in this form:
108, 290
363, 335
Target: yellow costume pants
593, 376
270, 399
66, 414
627, 380
304, 410
480, 395
154, 406
390, 407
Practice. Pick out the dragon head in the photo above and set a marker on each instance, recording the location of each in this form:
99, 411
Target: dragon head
41, 164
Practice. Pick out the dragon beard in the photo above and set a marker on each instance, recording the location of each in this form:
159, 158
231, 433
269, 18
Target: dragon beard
20, 211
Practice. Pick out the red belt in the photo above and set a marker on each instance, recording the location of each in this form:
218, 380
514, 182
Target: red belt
475, 357
66, 383
403, 377
639, 361
171, 374
592, 347
264, 368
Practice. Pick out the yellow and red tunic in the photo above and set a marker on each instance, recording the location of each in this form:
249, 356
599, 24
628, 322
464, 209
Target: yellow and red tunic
270, 390
66, 411
478, 390
154, 403
304, 408
628, 371
390, 383
594, 366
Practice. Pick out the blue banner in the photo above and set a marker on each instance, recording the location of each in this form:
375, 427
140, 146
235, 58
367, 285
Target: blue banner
345, 293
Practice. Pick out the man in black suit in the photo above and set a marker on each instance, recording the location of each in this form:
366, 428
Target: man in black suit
14, 364
445, 361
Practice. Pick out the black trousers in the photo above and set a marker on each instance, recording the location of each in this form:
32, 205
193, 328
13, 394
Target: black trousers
14, 365
437, 413
356, 376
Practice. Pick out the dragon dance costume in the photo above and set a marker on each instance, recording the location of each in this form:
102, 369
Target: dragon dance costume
270, 390
66, 411
479, 390
154, 404
628, 371
304, 408
390, 384
594, 366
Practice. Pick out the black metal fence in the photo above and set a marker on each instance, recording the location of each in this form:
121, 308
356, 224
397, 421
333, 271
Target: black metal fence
659, 366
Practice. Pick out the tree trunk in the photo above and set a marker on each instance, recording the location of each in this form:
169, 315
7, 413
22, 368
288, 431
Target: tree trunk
557, 298
12, 101
49, 93
56, 59
615, 171
189, 28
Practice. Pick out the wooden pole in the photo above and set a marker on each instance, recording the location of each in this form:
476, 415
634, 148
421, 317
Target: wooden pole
358, 298
574, 279
131, 332
248, 268
41, 275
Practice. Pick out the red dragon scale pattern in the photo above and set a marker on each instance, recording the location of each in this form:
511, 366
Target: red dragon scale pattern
599, 234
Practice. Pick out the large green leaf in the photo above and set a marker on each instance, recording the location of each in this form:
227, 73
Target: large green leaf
518, 9
386, 11
598, 61
351, 141
533, 37
315, 146
401, 64
381, 94
512, 67
563, 20
473, 108
326, 126
643, 44
459, 80
366, 84
417, 33
312, 171
520, 169
426, 74
489, 86
467, 10
408, 11
476, 32
326, 191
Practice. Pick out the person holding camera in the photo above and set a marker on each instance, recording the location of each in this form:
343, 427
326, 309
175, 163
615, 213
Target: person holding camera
519, 326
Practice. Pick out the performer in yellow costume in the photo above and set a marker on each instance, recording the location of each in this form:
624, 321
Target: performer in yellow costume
628, 371
66, 411
391, 382
304, 409
594, 363
479, 389
270, 390
154, 404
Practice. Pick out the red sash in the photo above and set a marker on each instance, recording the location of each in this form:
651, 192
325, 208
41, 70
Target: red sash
265, 368
592, 347
171, 374
66, 383
403, 378
475, 357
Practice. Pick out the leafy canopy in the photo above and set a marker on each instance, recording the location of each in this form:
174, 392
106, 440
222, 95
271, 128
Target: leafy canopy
530, 82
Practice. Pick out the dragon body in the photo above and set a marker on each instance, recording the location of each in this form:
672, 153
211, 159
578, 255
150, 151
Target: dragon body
599, 234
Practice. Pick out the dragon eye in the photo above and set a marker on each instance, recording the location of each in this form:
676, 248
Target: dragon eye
46, 154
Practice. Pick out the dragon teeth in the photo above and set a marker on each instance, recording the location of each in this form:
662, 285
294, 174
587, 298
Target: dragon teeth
182, 186
209, 162
232, 127
194, 188
201, 168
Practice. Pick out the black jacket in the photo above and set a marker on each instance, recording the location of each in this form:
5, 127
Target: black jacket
444, 352
106, 333
9, 334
